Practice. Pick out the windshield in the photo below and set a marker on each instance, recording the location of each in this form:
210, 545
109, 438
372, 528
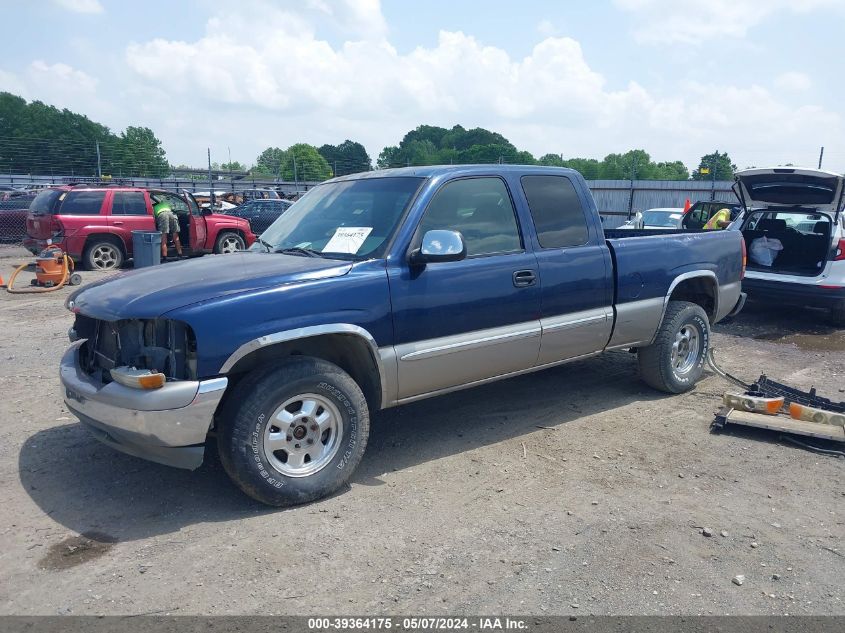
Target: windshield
668, 219
352, 219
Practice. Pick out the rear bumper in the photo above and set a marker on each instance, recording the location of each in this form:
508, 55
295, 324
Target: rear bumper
35, 245
811, 295
167, 425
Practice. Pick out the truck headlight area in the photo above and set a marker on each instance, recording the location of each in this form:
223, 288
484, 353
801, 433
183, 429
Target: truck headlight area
138, 353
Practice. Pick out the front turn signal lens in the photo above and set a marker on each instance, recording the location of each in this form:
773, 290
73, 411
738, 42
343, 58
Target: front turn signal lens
819, 416
138, 378
753, 404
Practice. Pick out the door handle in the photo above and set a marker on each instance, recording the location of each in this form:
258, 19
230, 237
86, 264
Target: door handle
523, 278
118, 223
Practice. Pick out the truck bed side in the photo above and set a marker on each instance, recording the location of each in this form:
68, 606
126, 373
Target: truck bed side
650, 268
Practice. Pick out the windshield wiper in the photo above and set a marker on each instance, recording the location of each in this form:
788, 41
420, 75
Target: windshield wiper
298, 250
269, 247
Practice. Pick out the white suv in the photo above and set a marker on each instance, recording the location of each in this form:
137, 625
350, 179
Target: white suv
799, 213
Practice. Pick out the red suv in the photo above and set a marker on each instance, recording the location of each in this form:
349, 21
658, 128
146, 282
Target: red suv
94, 225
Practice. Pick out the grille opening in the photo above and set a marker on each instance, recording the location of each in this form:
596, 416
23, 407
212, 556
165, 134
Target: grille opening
162, 345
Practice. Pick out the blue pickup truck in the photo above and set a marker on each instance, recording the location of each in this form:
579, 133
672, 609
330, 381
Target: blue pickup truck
375, 290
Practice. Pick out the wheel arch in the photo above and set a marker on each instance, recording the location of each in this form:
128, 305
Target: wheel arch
700, 287
348, 346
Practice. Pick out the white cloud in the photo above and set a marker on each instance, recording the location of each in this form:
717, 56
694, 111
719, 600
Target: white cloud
793, 81
249, 84
80, 6
546, 28
550, 100
698, 22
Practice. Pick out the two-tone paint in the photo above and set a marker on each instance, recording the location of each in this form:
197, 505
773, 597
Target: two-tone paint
444, 326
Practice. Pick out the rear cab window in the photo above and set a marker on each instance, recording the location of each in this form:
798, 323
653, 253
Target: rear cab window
81, 202
556, 211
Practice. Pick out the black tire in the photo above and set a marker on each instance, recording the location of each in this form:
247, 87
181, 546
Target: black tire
248, 421
227, 239
658, 368
102, 255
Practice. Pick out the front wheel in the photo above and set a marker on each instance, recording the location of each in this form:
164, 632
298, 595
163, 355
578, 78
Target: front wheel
674, 362
229, 243
295, 433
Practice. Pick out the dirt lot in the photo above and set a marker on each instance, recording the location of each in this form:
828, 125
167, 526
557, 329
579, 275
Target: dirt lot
575, 490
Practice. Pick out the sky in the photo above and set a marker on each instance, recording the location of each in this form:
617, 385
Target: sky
760, 79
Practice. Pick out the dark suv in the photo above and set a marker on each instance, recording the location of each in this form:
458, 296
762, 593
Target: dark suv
94, 225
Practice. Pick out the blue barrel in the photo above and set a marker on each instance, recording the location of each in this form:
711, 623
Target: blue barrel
146, 248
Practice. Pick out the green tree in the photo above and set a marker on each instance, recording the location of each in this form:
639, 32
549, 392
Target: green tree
139, 152
719, 164
269, 162
674, 170
349, 157
41, 139
551, 160
303, 162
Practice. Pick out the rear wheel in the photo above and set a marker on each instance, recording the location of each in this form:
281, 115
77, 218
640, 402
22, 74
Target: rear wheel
229, 243
294, 434
675, 361
102, 255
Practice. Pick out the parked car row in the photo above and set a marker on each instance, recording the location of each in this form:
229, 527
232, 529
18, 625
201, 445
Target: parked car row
94, 224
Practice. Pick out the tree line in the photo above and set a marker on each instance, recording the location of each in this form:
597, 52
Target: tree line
41, 139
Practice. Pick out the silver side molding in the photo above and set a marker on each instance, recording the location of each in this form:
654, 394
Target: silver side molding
308, 332
465, 342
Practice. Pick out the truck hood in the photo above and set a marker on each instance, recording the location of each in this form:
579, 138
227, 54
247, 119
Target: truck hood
790, 187
151, 292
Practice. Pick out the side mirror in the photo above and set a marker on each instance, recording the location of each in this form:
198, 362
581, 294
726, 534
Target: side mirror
440, 246
207, 211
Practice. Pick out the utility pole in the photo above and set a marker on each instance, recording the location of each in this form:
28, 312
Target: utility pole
99, 168
229, 149
210, 181
713, 181
821, 156
295, 179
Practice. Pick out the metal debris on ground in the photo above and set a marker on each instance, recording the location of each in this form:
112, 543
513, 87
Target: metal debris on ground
771, 405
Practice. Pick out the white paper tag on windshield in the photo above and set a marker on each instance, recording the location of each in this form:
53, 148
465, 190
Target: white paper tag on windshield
347, 239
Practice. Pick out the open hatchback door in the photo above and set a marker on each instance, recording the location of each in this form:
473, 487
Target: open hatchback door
786, 187
795, 237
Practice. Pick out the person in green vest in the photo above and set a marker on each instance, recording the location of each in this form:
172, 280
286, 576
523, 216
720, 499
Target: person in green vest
720, 220
168, 224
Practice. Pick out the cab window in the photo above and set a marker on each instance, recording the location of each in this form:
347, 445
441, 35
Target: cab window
481, 210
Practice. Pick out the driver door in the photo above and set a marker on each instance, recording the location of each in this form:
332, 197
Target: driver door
461, 322
197, 230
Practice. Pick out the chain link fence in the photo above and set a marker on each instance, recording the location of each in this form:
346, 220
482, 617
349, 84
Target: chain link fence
616, 200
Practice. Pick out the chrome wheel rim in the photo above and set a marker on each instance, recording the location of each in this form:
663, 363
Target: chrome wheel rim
685, 349
303, 435
104, 257
230, 245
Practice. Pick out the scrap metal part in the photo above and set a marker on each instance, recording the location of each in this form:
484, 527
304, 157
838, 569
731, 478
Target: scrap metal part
767, 388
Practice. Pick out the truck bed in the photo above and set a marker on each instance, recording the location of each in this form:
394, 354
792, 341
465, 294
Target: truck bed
647, 262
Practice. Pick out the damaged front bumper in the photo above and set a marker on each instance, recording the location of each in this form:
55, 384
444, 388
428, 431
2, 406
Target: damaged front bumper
167, 425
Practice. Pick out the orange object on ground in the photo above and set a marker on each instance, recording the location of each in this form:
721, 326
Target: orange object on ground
53, 269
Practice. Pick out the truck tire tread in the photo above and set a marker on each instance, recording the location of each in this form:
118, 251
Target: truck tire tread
654, 360
258, 394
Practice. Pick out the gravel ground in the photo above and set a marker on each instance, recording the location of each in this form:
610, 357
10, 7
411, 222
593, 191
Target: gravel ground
576, 490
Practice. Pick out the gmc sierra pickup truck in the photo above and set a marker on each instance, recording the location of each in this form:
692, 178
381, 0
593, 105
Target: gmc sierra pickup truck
375, 290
